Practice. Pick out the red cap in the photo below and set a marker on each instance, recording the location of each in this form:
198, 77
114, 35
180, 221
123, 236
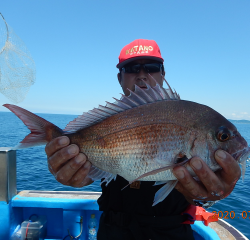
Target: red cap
139, 49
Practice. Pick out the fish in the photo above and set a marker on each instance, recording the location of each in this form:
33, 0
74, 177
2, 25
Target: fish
143, 136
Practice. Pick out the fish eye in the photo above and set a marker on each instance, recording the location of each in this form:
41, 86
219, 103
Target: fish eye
223, 134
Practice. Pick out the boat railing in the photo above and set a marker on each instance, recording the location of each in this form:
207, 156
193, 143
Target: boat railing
7, 174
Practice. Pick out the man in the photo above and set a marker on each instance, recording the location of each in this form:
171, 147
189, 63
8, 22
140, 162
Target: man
129, 214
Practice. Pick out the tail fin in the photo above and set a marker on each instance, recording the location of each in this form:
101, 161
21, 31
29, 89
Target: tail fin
42, 131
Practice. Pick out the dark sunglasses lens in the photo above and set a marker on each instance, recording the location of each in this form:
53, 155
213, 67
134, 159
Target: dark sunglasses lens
149, 67
132, 68
153, 67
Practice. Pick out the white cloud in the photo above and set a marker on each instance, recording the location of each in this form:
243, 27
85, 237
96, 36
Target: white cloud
239, 116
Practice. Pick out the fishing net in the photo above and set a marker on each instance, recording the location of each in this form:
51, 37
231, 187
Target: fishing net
17, 68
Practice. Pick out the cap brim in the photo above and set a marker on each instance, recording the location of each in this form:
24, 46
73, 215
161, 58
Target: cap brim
122, 64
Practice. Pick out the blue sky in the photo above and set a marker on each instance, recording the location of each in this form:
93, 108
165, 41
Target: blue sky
75, 45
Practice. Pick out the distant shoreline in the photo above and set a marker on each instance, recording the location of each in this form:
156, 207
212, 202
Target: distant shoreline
239, 121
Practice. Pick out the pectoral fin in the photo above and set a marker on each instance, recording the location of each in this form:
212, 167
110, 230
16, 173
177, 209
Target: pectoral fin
167, 167
163, 192
159, 183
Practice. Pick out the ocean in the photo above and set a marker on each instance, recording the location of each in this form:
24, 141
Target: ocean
33, 174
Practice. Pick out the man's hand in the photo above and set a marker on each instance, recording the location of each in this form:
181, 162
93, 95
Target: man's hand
66, 163
212, 186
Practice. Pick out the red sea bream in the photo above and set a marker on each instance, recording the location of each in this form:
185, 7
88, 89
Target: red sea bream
143, 136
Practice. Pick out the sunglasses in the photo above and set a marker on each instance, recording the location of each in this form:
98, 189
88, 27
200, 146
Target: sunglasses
148, 67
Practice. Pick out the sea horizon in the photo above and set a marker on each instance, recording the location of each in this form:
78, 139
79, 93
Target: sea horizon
70, 114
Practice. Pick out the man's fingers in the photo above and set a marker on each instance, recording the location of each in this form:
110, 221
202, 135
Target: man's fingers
187, 185
209, 179
212, 186
230, 168
58, 159
66, 163
56, 144
66, 173
80, 179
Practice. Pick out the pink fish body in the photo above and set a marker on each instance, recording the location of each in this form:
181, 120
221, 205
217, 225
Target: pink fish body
143, 136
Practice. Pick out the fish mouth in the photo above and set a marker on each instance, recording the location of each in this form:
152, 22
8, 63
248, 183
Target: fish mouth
241, 155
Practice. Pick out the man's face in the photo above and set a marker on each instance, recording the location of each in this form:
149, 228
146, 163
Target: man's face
128, 80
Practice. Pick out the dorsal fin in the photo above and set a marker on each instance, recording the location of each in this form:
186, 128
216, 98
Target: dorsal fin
137, 98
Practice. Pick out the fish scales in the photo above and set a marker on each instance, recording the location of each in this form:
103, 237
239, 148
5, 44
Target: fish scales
137, 141
137, 150
152, 113
182, 113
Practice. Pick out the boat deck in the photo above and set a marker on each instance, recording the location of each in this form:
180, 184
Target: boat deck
226, 231
60, 199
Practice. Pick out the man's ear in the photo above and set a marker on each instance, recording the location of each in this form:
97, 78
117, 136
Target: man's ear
163, 74
119, 77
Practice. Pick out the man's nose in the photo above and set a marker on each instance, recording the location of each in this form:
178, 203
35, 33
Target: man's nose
142, 74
